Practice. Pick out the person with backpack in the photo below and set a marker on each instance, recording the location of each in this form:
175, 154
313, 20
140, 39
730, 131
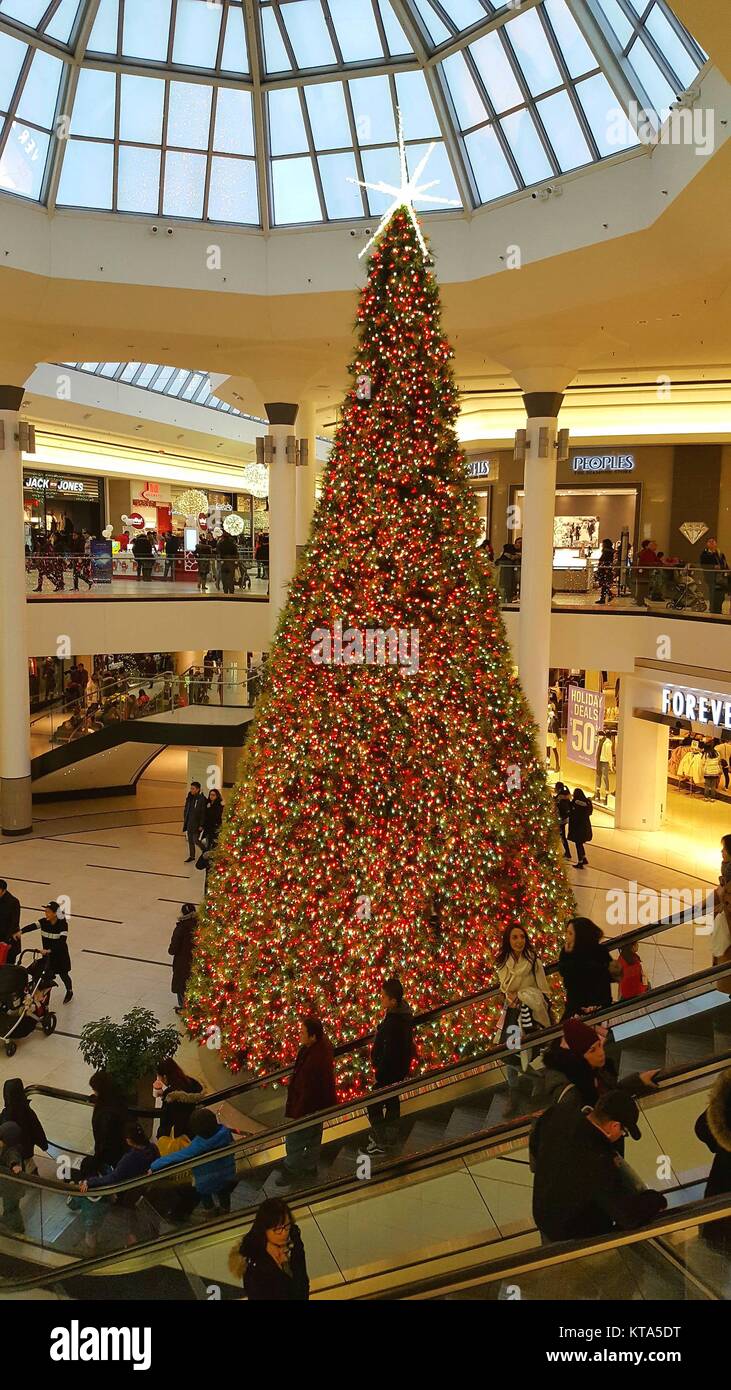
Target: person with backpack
392, 1054
213, 1181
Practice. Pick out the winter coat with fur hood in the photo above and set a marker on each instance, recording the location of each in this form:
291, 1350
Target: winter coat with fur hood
713, 1128
262, 1277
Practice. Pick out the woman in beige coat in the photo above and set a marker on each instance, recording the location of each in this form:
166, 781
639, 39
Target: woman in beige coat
522, 980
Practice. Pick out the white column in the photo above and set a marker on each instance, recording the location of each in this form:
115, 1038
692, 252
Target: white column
233, 678
282, 510
16, 817
306, 475
642, 758
537, 559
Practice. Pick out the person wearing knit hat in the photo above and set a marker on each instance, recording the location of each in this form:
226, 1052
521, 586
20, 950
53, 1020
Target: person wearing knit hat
578, 1070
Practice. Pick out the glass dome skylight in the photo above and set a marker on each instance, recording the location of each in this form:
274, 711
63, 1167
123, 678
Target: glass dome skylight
259, 114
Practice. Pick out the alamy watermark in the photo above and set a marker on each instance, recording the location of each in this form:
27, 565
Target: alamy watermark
643, 907
685, 125
370, 646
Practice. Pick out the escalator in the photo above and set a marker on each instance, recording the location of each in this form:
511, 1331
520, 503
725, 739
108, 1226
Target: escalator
262, 1100
449, 1118
450, 1225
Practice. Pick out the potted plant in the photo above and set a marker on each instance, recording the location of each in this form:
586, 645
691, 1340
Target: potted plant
130, 1050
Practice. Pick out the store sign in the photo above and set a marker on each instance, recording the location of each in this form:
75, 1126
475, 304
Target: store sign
697, 709
603, 463
35, 483
483, 468
585, 719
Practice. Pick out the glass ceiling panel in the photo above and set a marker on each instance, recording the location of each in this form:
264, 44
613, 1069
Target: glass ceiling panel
168, 381
60, 26
524, 97
12, 55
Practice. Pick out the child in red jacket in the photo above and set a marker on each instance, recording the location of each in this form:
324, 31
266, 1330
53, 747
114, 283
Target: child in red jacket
633, 980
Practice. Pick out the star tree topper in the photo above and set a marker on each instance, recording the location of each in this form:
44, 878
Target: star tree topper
405, 196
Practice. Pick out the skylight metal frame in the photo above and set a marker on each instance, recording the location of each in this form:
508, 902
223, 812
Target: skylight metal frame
614, 61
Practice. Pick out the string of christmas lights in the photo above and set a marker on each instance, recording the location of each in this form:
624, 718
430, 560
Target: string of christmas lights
385, 821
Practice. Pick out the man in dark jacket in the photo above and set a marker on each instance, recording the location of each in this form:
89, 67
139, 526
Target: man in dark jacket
11, 1162
172, 547
581, 1187
9, 920
193, 813
392, 1054
227, 552
312, 1088
56, 960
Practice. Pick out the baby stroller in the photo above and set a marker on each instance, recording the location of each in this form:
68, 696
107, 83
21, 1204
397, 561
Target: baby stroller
24, 1001
687, 592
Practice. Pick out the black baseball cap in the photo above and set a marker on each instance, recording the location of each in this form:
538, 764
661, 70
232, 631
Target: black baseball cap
621, 1106
53, 906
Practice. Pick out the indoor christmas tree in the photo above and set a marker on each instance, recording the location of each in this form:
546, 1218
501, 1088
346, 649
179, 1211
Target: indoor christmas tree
393, 814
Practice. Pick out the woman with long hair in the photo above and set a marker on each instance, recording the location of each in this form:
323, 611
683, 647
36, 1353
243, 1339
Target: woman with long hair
270, 1261
179, 1094
523, 982
585, 966
108, 1121
212, 817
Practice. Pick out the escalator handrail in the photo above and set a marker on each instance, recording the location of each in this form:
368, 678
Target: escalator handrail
415, 1081
420, 1020
708, 1206
700, 1213
252, 1144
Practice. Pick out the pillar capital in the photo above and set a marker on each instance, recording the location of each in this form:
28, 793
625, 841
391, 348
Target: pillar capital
543, 404
281, 412
11, 397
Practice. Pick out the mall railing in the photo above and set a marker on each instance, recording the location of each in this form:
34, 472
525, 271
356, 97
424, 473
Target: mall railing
112, 699
57, 575
692, 590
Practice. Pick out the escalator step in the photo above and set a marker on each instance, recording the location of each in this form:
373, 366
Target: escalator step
424, 1135
687, 1047
465, 1121
632, 1059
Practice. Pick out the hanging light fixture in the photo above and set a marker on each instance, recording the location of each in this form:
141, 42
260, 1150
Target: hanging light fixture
255, 479
233, 524
191, 502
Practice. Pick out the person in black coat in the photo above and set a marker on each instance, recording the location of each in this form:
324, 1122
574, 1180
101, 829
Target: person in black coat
212, 817
9, 921
577, 1070
562, 802
17, 1110
193, 812
392, 1054
579, 1187
271, 1259
584, 964
713, 1128
108, 1123
181, 950
580, 832
179, 1094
